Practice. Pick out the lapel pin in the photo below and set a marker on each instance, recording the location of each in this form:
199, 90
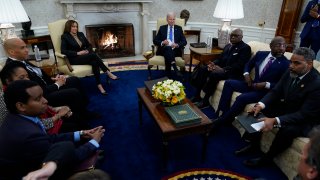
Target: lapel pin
302, 85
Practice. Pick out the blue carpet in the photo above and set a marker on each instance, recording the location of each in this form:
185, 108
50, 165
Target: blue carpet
135, 152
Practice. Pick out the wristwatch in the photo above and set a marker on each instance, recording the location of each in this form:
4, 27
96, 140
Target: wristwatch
81, 132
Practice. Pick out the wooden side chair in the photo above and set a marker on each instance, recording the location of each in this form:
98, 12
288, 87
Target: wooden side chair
157, 60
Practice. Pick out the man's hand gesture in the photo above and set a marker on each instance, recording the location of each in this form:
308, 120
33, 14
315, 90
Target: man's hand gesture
96, 133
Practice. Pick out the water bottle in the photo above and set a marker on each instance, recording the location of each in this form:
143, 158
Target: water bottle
37, 54
209, 44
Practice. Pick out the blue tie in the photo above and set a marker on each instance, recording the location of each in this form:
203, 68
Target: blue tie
39, 123
170, 34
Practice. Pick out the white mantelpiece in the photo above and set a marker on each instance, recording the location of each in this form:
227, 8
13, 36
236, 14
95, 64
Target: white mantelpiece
114, 11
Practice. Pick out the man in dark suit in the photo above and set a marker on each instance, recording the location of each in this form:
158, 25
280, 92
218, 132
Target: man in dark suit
229, 65
297, 95
269, 67
310, 35
23, 140
60, 90
170, 41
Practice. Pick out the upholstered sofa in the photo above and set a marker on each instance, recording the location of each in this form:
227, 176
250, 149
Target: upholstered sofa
288, 160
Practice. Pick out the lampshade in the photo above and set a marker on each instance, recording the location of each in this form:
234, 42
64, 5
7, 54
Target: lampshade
12, 11
229, 9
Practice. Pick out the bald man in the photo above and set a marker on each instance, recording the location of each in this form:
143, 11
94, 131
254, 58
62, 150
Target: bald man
60, 90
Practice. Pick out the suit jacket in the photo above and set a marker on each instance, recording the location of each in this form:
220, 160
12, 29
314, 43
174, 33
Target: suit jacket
44, 81
70, 47
24, 146
301, 106
273, 73
178, 38
306, 18
233, 59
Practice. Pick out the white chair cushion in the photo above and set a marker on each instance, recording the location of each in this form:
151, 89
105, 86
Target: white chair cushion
159, 61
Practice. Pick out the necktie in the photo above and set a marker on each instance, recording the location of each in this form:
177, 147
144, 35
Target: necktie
267, 66
39, 123
170, 34
294, 83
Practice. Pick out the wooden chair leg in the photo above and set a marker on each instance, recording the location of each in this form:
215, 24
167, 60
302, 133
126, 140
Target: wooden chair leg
149, 70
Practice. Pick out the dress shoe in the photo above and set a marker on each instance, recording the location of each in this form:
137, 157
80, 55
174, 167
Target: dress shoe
179, 74
195, 99
257, 162
203, 104
104, 93
247, 150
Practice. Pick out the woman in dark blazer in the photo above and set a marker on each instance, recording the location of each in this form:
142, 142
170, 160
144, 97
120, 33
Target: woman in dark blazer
79, 51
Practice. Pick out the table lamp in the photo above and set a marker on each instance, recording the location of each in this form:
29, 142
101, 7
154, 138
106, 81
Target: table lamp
11, 11
227, 10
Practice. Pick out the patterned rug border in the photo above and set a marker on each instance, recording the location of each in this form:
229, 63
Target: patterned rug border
205, 171
135, 65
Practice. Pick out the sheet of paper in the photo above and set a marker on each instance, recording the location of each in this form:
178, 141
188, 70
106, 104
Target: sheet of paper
258, 126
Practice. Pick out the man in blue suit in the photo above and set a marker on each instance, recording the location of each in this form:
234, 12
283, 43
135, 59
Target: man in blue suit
268, 66
170, 41
310, 35
24, 143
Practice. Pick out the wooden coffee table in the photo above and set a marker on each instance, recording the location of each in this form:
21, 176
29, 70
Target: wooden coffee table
168, 130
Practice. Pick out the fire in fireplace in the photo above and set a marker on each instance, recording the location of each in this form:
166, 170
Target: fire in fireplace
111, 40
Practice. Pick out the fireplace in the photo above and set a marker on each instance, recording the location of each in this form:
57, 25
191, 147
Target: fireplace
111, 40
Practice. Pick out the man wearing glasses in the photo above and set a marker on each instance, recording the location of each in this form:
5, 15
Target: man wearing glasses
229, 65
269, 66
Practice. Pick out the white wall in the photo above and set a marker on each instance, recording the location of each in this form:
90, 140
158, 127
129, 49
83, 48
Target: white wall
43, 11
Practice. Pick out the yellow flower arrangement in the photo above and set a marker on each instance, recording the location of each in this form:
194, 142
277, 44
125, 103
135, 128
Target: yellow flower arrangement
169, 92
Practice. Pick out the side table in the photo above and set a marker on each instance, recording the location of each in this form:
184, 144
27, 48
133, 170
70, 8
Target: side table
202, 55
47, 65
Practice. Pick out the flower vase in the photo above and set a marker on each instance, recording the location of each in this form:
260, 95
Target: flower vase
167, 104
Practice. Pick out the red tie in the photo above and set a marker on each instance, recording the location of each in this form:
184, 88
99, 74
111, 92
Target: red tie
266, 66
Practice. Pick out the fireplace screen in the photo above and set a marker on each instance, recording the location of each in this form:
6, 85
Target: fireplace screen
111, 40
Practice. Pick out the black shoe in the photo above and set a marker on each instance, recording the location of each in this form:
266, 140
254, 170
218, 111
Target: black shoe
247, 150
104, 93
195, 99
179, 74
258, 162
203, 104
217, 122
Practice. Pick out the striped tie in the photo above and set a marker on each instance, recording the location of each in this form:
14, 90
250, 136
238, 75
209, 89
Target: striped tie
267, 66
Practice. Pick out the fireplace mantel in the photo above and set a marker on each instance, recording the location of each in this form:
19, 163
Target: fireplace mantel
73, 7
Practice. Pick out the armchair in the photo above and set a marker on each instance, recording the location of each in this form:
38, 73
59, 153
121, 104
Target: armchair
157, 60
56, 30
